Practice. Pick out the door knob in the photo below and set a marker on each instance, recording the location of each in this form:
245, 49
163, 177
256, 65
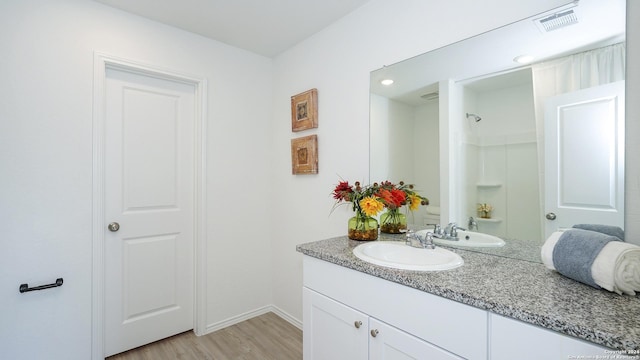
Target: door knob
551, 216
114, 226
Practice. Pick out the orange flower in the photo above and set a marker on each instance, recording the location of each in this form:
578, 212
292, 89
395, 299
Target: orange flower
399, 197
385, 195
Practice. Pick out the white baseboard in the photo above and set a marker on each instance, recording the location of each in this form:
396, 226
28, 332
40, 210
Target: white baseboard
251, 314
237, 319
286, 316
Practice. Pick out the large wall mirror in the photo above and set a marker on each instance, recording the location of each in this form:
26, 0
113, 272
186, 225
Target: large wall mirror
527, 119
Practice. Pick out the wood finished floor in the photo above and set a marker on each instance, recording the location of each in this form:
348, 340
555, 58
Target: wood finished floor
265, 337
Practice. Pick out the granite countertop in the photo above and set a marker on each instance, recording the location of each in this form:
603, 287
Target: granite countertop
520, 249
523, 290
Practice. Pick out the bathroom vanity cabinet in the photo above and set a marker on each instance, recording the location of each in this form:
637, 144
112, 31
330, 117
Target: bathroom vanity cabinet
337, 331
406, 320
348, 314
508, 337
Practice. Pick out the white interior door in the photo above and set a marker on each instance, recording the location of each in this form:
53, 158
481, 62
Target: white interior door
149, 193
584, 157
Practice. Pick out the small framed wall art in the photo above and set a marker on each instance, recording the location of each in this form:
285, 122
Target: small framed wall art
304, 110
304, 155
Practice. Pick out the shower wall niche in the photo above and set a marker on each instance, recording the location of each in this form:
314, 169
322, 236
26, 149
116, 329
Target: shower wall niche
500, 152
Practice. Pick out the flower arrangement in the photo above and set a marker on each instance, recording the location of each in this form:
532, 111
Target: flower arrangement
484, 210
369, 200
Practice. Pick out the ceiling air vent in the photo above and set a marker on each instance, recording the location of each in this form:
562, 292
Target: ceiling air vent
557, 20
429, 96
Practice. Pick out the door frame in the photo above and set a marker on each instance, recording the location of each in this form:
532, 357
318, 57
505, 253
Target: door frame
101, 63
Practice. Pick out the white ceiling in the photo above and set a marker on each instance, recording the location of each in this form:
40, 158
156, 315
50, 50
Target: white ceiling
265, 27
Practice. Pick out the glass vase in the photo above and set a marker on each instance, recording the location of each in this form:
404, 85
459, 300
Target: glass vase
362, 227
393, 222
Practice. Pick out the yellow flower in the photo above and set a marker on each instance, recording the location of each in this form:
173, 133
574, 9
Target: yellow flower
414, 202
371, 205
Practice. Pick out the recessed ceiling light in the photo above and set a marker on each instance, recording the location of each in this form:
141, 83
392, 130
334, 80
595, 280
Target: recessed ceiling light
523, 59
386, 82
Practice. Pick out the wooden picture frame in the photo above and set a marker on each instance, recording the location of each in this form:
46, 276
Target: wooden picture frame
304, 155
304, 110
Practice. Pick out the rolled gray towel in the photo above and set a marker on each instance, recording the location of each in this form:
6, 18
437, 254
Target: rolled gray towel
575, 251
605, 229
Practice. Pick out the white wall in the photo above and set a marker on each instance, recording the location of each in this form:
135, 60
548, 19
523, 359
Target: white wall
46, 67
392, 124
400, 135
427, 155
508, 156
632, 127
470, 163
379, 125
404, 147
337, 62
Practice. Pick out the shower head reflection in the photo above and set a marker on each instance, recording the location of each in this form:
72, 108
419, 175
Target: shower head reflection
474, 117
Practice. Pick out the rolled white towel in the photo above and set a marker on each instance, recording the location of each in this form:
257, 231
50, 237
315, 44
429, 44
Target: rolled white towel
604, 266
616, 268
627, 268
547, 249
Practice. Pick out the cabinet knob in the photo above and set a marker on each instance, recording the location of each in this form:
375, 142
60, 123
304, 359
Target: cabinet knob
357, 324
374, 332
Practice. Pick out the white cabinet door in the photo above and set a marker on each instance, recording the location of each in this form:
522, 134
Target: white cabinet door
388, 343
331, 330
334, 331
510, 339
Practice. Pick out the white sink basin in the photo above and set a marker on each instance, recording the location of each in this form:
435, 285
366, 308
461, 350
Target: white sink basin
468, 239
398, 255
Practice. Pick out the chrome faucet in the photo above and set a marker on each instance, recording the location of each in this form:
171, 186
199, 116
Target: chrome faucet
472, 224
416, 241
437, 229
451, 230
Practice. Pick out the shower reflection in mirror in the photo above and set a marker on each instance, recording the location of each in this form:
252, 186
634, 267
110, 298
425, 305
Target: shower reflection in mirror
500, 143
503, 157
